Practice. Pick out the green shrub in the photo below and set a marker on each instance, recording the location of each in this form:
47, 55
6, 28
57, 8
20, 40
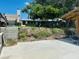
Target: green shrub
22, 35
41, 34
22, 39
57, 31
10, 42
25, 34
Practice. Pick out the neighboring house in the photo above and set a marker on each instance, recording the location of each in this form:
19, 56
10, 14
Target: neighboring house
11, 18
3, 20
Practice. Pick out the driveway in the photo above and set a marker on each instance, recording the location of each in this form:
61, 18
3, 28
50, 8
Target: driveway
46, 49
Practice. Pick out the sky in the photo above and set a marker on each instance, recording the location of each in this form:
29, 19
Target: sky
10, 6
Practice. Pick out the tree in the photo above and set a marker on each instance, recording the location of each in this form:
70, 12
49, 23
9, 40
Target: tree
37, 11
51, 12
45, 9
42, 2
43, 12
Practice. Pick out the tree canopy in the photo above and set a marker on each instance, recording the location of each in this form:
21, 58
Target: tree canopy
49, 9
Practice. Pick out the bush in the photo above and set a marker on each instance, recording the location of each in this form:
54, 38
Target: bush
22, 35
57, 31
26, 34
41, 34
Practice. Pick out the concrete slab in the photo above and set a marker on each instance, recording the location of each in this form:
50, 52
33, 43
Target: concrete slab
1, 38
46, 49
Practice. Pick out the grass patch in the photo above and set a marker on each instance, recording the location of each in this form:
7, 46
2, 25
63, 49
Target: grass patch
41, 34
27, 33
10, 42
57, 31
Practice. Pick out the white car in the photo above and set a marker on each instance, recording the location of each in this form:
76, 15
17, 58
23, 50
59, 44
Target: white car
58, 19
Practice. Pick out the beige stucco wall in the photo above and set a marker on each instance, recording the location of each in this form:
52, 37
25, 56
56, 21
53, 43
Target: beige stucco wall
11, 18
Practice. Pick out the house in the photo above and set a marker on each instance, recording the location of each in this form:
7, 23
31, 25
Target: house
3, 20
11, 19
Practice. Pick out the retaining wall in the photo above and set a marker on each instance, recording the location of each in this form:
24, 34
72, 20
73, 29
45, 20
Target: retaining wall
10, 32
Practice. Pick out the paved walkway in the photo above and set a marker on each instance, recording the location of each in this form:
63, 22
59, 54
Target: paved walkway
46, 49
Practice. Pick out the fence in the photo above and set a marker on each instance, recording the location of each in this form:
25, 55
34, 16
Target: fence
49, 23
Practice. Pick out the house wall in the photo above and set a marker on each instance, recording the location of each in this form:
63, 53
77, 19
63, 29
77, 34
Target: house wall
11, 18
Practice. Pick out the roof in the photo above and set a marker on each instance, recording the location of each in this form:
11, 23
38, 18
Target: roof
2, 18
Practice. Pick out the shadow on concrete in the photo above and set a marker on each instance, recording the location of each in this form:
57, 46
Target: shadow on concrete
70, 39
1, 49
